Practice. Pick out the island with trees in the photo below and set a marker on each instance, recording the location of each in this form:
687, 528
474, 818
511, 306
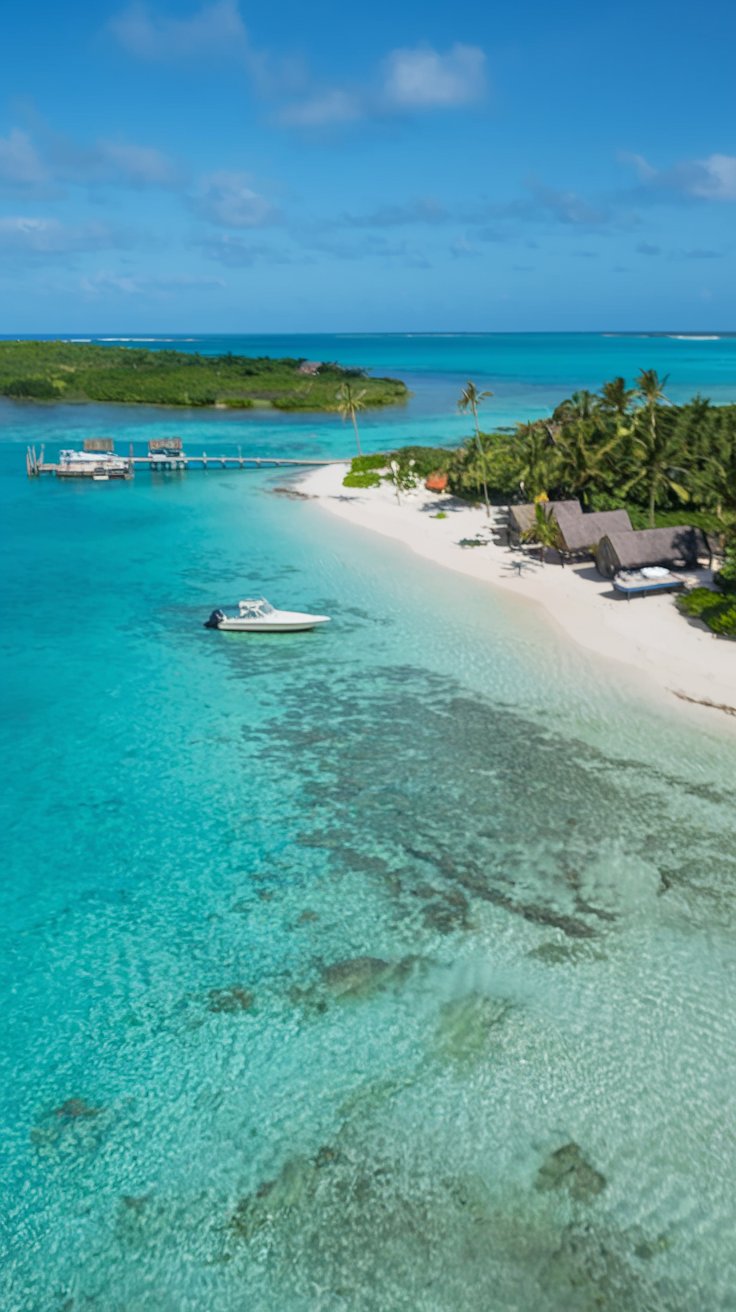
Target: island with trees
80, 371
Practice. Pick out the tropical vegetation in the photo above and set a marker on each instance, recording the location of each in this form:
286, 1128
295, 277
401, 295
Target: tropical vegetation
619, 447
82, 371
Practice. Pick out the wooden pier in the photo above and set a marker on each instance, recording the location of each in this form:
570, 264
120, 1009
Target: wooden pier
124, 467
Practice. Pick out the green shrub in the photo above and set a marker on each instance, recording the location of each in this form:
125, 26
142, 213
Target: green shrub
722, 619
367, 479
713, 608
697, 600
427, 459
726, 576
37, 389
362, 464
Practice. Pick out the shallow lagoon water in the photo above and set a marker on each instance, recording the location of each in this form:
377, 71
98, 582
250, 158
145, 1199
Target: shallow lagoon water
317, 951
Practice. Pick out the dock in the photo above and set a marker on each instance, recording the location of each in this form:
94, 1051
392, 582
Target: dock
102, 464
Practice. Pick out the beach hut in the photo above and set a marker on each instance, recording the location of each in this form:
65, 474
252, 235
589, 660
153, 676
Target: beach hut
165, 446
99, 445
521, 518
580, 534
681, 545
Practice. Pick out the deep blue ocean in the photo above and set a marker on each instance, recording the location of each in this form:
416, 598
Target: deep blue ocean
388, 967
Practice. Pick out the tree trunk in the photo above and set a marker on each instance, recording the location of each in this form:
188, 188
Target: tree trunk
482, 457
357, 434
652, 496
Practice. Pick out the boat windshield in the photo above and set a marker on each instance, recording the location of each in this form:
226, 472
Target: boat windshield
252, 609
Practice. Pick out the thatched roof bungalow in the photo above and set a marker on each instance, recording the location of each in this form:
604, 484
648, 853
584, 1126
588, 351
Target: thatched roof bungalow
681, 545
521, 518
581, 533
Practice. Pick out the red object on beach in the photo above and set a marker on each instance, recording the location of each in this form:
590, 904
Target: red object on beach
436, 483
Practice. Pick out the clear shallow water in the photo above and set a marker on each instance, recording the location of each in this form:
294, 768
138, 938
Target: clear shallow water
204, 1105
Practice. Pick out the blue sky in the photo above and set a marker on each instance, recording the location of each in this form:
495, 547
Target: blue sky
224, 167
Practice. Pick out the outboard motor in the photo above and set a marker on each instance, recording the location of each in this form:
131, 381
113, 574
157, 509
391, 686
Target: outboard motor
214, 620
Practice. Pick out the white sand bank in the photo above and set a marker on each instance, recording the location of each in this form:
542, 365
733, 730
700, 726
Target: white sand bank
647, 634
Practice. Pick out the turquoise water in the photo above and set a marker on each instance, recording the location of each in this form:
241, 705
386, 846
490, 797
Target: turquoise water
316, 951
529, 373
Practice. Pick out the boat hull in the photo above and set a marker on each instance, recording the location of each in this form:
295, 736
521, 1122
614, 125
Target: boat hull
257, 616
299, 624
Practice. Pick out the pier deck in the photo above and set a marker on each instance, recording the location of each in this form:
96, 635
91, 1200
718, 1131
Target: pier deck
126, 466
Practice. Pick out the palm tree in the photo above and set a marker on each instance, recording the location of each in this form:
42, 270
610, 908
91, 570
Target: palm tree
616, 398
349, 403
582, 457
656, 448
581, 405
536, 452
470, 399
718, 478
545, 530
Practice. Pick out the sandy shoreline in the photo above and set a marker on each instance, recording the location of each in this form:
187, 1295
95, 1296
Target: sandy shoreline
678, 660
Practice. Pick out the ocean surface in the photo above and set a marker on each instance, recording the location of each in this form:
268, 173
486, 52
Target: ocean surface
388, 967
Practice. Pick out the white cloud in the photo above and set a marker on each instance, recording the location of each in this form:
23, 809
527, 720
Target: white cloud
228, 200
42, 236
239, 254
214, 29
215, 32
323, 109
102, 283
423, 210
714, 177
710, 178
139, 166
638, 163
408, 80
20, 164
423, 78
40, 167
462, 249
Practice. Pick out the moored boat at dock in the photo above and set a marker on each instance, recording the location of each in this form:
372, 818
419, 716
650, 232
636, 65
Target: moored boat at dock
98, 465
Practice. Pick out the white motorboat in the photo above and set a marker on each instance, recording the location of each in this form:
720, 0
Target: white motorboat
103, 462
259, 616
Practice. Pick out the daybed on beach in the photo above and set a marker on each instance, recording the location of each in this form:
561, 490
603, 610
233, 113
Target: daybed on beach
680, 546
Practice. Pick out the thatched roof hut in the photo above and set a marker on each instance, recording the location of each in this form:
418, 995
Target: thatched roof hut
582, 533
681, 545
521, 518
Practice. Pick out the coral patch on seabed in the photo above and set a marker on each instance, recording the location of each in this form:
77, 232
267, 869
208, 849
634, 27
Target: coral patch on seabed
360, 976
74, 1124
466, 1023
567, 1168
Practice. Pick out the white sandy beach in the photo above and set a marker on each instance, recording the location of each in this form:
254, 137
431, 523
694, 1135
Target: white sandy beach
648, 634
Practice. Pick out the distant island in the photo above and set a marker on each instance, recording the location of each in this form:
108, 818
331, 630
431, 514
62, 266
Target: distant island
80, 371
